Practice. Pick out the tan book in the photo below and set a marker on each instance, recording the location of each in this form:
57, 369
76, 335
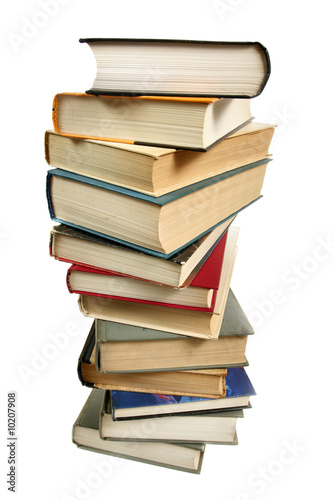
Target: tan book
156, 171
195, 123
208, 383
192, 323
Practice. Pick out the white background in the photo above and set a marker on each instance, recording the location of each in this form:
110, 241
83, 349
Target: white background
282, 277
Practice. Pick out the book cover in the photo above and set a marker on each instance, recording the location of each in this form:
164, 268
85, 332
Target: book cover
85, 435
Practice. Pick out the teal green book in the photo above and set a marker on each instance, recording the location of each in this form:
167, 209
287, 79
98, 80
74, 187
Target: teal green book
127, 348
157, 225
179, 456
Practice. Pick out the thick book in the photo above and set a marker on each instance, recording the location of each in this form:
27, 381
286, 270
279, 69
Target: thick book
207, 383
164, 224
156, 171
188, 322
201, 383
196, 123
216, 427
178, 67
128, 405
179, 456
178, 270
199, 295
121, 348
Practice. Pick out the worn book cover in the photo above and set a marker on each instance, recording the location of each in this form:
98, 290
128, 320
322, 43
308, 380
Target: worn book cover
183, 457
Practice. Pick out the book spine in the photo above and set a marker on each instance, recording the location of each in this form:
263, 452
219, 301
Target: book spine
55, 113
68, 281
268, 67
48, 195
46, 147
51, 245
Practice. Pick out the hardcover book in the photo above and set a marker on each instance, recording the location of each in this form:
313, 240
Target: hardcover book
216, 427
178, 67
126, 348
196, 123
183, 457
156, 171
178, 270
199, 295
205, 382
164, 224
127, 405
201, 324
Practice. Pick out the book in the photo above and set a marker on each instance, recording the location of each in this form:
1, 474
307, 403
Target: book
85, 435
205, 382
128, 405
178, 67
199, 295
156, 171
216, 427
178, 270
126, 348
164, 224
193, 323
195, 123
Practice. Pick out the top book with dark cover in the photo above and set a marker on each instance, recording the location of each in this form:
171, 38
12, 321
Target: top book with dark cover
179, 67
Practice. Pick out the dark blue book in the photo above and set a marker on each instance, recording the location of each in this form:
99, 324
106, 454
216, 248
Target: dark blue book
161, 225
127, 405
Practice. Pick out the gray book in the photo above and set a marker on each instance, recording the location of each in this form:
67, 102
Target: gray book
127, 348
183, 457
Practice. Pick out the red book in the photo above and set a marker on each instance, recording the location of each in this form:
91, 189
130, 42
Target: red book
199, 295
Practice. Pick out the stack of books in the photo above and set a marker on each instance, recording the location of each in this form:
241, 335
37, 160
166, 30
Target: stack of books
151, 172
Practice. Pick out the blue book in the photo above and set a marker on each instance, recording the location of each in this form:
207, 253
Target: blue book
126, 405
159, 226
